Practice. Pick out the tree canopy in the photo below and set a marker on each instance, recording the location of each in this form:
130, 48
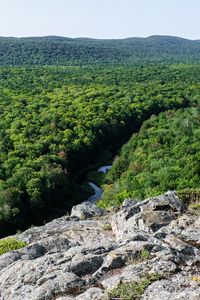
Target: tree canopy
163, 156
55, 50
56, 121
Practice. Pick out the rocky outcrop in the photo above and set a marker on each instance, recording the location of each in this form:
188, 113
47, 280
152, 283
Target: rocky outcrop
86, 210
86, 255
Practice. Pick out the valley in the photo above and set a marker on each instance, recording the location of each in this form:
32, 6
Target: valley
58, 121
99, 168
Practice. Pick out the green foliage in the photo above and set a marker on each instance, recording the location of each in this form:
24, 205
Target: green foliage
57, 121
133, 290
10, 244
54, 50
163, 156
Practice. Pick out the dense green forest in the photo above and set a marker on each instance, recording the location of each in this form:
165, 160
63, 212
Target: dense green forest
67, 103
54, 50
56, 121
164, 155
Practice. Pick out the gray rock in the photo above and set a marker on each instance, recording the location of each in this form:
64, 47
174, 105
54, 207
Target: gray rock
175, 227
86, 210
191, 234
186, 253
119, 220
152, 221
177, 288
85, 264
129, 202
149, 215
65, 298
92, 294
9, 258
167, 202
76, 258
62, 284
111, 282
134, 273
111, 261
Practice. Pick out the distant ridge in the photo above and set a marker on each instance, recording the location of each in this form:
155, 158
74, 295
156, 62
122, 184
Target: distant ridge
57, 50
57, 37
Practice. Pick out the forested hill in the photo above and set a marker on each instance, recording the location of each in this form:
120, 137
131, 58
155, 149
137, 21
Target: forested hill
53, 50
163, 155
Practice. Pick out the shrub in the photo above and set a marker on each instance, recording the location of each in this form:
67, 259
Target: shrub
10, 244
189, 196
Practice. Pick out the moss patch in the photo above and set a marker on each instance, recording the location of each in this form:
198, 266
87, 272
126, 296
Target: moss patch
10, 244
107, 226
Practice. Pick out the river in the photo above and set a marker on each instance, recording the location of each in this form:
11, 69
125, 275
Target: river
97, 190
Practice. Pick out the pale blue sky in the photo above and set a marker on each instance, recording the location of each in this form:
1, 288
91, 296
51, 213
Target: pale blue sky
100, 18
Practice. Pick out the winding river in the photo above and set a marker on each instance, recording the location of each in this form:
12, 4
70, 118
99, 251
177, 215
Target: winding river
98, 190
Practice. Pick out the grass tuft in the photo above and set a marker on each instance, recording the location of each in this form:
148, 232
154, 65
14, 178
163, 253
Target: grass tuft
133, 290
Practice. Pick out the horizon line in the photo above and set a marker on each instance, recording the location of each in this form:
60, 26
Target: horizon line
93, 38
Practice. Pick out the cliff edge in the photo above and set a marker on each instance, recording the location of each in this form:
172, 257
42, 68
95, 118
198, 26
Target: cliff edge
146, 250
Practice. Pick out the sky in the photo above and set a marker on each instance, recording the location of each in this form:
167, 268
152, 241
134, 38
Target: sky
100, 18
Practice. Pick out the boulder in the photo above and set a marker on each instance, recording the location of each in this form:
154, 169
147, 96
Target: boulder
149, 215
86, 210
92, 294
167, 202
179, 287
